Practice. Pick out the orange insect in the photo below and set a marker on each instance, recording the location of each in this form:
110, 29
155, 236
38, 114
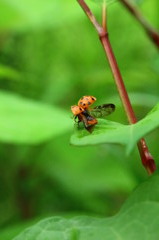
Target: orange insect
84, 116
86, 101
88, 116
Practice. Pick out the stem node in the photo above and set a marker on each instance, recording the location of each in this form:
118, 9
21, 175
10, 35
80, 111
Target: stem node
103, 35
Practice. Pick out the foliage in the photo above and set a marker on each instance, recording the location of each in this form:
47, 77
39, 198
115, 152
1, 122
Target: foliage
29, 122
50, 57
137, 219
112, 132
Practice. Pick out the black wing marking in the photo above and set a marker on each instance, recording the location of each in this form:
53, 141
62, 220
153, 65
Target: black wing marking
102, 110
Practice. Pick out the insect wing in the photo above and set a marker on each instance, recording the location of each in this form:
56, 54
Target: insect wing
102, 110
88, 121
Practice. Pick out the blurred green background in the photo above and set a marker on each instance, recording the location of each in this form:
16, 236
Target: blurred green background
50, 56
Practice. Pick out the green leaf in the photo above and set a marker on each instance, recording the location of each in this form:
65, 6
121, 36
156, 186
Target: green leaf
11, 231
21, 15
111, 132
9, 16
7, 72
137, 219
26, 121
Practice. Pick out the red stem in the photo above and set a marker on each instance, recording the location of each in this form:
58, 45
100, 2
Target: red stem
118, 79
146, 157
91, 17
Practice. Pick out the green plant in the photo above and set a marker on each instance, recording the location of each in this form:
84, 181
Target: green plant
43, 71
137, 219
146, 157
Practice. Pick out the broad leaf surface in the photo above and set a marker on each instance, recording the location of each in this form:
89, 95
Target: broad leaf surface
138, 219
27, 121
22, 15
111, 132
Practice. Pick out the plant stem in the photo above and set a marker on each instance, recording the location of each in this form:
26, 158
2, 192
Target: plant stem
118, 79
146, 157
151, 32
91, 17
104, 16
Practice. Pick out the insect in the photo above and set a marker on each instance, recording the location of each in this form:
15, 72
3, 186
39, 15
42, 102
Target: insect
103, 110
86, 101
88, 115
84, 116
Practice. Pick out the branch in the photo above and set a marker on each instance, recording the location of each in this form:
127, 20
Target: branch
91, 17
151, 32
104, 16
146, 157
